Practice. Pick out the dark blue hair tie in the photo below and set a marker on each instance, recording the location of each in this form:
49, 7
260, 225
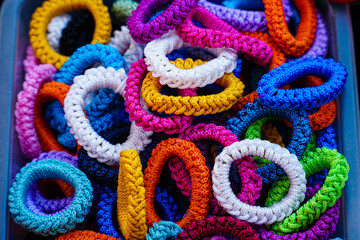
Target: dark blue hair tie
271, 94
166, 205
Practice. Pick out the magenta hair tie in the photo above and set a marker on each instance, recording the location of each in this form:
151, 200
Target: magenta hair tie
218, 34
322, 228
208, 227
24, 110
251, 181
30, 61
143, 32
244, 20
150, 122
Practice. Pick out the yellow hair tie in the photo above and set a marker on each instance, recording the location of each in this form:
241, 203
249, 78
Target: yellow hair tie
52, 8
131, 196
270, 133
198, 105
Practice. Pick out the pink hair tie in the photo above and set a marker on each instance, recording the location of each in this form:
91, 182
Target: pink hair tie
30, 61
219, 34
149, 122
24, 110
251, 181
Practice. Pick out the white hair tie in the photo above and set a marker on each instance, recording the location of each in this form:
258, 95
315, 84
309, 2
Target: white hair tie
54, 30
95, 145
155, 57
264, 149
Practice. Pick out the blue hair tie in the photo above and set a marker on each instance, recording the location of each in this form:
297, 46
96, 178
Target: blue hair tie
106, 209
300, 138
166, 205
271, 94
163, 230
57, 223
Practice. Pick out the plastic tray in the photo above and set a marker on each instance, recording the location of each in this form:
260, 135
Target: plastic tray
14, 24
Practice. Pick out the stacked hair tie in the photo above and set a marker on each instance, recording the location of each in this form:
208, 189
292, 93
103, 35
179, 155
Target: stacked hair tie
195, 119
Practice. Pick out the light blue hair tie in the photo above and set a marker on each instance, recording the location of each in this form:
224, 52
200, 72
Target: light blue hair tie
163, 230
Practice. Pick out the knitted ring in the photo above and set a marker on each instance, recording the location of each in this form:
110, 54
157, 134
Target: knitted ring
226, 36
173, 15
30, 62
128, 48
56, 223
163, 230
209, 226
89, 235
54, 30
198, 105
272, 152
48, 91
304, 98
326, 138
278, 29
25, 106
141, 117
166, 205
131, 196
53, 8
243, 20
105, 211
199, 173
321, 229
199, 75
96, 146
122, 9
322, 158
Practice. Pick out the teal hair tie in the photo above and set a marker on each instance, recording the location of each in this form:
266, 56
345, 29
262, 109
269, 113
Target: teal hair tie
163, 230
61, 222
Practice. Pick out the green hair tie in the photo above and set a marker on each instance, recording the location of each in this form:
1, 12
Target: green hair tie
122, 9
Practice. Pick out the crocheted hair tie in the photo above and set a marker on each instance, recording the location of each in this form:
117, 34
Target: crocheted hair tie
143, 32
48, 91
122, 9
305, 98
326, 138
53, 8
199, 75
198, 105
209, 226
106, 210
131, 196
272, 152
137, 110
322, 228
278, 29
78, 32
30, 61
54, 30
56, 223
96, 146
321, 158
85, 235
241, 19
25, 105
226, 36
163, 230
166, 205
128, 48
199, 173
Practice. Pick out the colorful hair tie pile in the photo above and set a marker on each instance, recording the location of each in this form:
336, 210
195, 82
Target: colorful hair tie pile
184, 119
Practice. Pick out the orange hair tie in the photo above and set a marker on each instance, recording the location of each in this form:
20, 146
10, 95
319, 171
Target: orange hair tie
48, 91
85, 235
279, 31
199, 174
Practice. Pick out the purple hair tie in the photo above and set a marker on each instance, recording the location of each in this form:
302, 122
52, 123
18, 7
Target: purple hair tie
320, 230
244, 20
143, 32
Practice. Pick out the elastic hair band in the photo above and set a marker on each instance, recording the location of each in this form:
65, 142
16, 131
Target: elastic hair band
226, 36
53, 8
279, 31
137, 110
122, 9
209, 226
199, 75
198, 105
54, 30
199, 173
173, 15
96, 146
56, 223
30, 61
25, 107
165, 203
163, 230
85, 235
131, 196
